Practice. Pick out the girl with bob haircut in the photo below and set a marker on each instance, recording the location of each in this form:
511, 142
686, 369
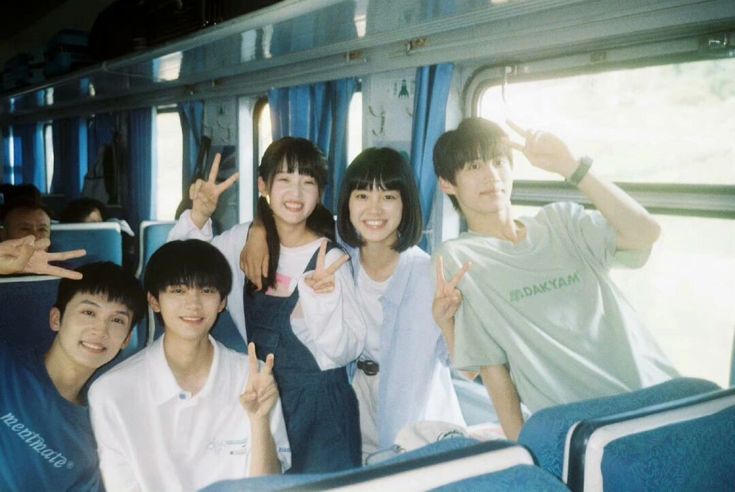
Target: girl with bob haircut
403, 374
307, 315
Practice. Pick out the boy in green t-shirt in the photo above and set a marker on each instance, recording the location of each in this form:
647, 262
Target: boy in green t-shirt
537, 315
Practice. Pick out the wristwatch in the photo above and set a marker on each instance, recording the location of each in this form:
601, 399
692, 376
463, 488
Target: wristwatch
585, 163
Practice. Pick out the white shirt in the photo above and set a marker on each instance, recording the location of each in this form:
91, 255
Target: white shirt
369, 292
152, 435
334, 330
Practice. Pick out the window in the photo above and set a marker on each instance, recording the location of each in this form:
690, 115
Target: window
665, 124
657, 126
354, 127
263, 128
169, 155
48, 145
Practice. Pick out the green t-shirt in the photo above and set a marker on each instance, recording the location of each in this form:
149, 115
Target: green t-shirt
548, 308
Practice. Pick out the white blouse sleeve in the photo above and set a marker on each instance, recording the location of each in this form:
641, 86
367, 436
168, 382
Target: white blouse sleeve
332, 328
186, 229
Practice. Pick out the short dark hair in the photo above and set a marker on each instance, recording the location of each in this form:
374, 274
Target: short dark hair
107, 279
78, 210
389, 170
22, 203
191, 262
474, 138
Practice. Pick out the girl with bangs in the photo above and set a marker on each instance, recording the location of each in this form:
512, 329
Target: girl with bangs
307, 314
380, 223
402, 375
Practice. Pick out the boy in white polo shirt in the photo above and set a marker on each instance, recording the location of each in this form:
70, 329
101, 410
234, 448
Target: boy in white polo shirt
540, 318
186, 411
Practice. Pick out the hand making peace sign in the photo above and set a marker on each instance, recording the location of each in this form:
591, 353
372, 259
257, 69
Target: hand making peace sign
260, 393
545, 151
29, 255
205, 194
322, 279
448, 297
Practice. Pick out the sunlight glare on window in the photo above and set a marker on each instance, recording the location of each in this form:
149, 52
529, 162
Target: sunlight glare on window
48, 144
354, 127
670, 123
265, 131
169, 149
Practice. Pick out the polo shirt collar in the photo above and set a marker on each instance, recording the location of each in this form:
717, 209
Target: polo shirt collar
161, 379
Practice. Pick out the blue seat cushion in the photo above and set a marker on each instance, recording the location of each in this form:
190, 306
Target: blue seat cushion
545, 432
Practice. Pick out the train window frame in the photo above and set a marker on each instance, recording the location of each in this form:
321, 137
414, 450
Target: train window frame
700, 200
677, 200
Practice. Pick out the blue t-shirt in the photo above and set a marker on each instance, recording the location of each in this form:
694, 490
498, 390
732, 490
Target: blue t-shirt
46, 442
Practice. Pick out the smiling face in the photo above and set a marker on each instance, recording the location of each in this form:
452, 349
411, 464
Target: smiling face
292, 196
376, 214
482, 187
92, 329
188, 312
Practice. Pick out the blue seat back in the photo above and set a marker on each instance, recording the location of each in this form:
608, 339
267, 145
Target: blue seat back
431, 466
153, 234
24, 317
26, 302
102, 240
517, 478
688, 444
546, 431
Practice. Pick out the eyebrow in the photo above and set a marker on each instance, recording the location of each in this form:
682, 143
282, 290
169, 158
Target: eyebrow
120, 311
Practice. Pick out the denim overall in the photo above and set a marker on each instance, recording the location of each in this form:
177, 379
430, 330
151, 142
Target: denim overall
319, 407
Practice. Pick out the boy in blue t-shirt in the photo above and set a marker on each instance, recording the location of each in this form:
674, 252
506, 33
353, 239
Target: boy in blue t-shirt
45, 432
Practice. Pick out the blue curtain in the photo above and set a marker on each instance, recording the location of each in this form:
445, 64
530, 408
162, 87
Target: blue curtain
191, 114
70, 156
101, 133
430, 104
29, 158
139, 192
318, 112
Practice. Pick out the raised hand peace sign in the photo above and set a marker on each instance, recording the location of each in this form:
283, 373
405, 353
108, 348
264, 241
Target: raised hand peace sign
322, 279
260, 393
447, 297
545, 151
29, 255
205, 194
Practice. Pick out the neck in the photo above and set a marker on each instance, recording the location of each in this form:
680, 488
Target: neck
500, 225
67, 375
189, 360
294, 235
379, 260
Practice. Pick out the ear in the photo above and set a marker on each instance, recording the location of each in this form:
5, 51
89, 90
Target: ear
222, 305
262, 188
447, 187
54, 319
125, 342
153, 303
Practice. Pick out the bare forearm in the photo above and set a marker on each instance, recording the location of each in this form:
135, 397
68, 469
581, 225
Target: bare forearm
505, 399
636, 229
263, 458
447, 328
198, 218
